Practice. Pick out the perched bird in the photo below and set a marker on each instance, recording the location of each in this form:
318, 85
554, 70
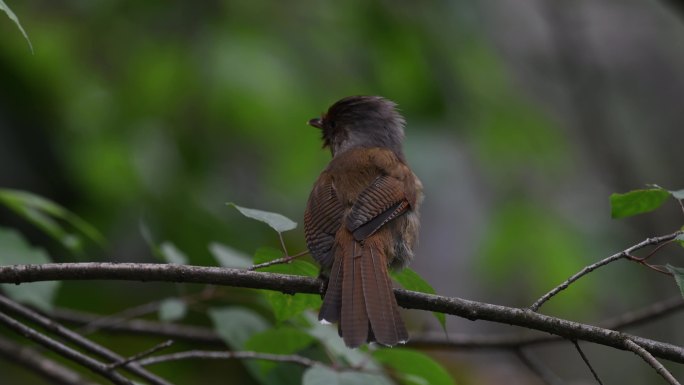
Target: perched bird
362, 218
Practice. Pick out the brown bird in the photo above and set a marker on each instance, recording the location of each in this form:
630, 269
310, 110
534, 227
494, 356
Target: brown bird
362, 218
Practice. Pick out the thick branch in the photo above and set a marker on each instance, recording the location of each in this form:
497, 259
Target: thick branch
296, 284
8, 305
33, 360
63, 350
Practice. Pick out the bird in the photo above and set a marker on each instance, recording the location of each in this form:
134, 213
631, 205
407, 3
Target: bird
362, 218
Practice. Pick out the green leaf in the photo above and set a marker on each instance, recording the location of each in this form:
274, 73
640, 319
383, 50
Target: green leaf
278, 222
637, 202
410, 280
172, 309
287, 306
236, 325
678, 274
172, 254
15, 251
283, 340
227, 256
39, 210
413, 364
15, 19
680, 238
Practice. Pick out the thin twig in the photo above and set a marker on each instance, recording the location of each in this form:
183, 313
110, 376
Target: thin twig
74, 355
646, 314
33, 360
655, 364
282, 260
588, 269
289, 284
537, 367
224, 355
652, 253
196, 334
132, 312
8, 305
206, 294
586, 361
643, 262
141, 355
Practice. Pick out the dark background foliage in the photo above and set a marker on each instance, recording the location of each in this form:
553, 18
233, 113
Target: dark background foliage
523, 116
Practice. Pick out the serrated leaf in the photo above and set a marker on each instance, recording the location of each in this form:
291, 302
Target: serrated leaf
16, 251
172, 309
283, 340
38, 210
277, 222
678, 274
637, 202
415, 364
172, 254
236, 325
15, 19
410, 280
227, 256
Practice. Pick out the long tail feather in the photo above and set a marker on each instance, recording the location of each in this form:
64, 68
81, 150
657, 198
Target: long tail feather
354, 322
332, 302
381, 305
360, 295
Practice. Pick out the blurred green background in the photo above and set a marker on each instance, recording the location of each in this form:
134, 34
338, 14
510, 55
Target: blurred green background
523, 116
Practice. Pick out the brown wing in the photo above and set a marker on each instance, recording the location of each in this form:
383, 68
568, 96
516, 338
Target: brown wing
322, 219
382, 201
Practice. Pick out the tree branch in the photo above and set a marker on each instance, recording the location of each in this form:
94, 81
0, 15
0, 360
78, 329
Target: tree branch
8, 305
40, 365
588, 269
587, 362
634, 347
516, 340
223, 355
141, 355
63, 350
179, 332
290, 284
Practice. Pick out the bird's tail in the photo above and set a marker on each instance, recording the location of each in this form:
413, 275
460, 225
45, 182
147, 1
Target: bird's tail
360, 296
